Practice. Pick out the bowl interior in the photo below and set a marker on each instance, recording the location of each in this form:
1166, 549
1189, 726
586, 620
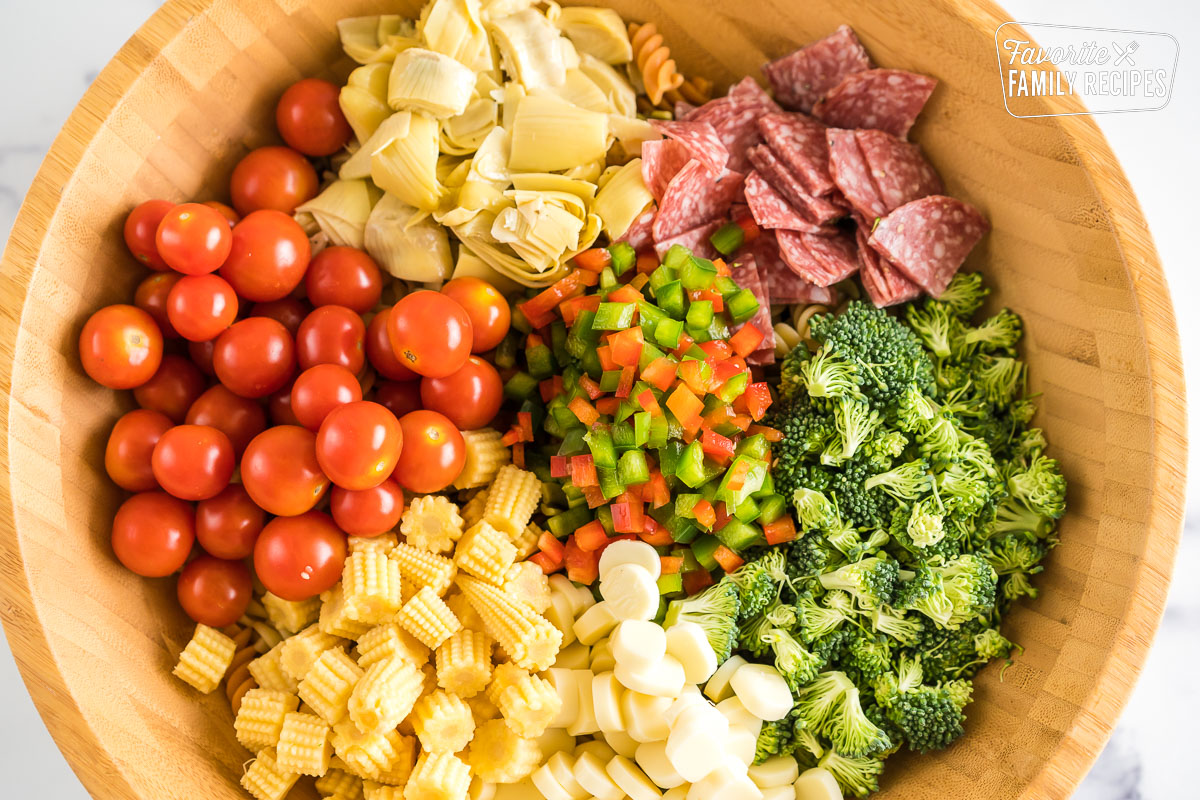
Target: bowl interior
195, 89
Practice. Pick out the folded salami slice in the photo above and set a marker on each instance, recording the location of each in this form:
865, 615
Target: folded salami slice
700, 139
851, 175
693, 197
772, 210
734, 117
696, 240
803, 77
900, 172
820, 210
661, 161
799, 142
884, 99
745, 273
748, 92
928, 239
640, 235
884, 284
823, 260
784, 285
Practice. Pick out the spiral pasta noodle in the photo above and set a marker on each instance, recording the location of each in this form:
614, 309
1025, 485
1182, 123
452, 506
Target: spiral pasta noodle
653, 60
238, 679
793, 331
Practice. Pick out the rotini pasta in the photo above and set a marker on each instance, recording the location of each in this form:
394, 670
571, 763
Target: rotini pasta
238, 680
265, 780
328, 685
485, 455
512, 499
464, 663
432, 523
427, 617
443, 722
304, 746
655, 67
205, 659
259, 720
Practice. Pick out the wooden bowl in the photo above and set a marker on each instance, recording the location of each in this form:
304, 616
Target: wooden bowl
195, 88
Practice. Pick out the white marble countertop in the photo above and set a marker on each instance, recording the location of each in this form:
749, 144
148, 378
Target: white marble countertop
1149, 757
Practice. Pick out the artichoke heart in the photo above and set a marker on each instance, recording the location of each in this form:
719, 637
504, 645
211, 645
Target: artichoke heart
580, 90
396, 126
585, 190
433, 83
485, 182
406, 242
549, 134
599, 32
470, 265
613, 84
406, 165
631, 132
529, 49
589, 172
368, 40
542, 227
455, 28
363, 99
342, 209
622, 199
463, 134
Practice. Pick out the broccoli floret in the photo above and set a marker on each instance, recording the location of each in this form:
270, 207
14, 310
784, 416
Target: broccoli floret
965, 294
871, 581
1001, 332
905, 482
865, 656
1029, 444
948, 654
797, 665
1015, 517
962, 589
924, 526
885, 620
826, 375
856, 776
936, 325
774, 738
1041, 487
925, 592
807, 556
991, 644
997, 378
863, 506
715, 610
818, 620
929, 718
818, 700
1015, 552
881, 450
813, 509
963, 490
806, 430
759, 582
853, 422
879, 718
851, 731
849, 542
915, 410
1014, 587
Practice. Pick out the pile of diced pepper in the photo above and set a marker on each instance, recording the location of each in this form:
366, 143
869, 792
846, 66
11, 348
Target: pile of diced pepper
636, 371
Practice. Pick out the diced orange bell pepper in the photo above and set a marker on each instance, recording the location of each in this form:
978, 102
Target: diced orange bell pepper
625, 385
685, 344
518, 455
590, 386
696, 580
670, 565
593, 495
604, 352
660, 494
627, 346
591, 536
749, 227
780, 531
705, 514
723, 516
551, 546
583, 471
660, 373
584, 411
583, 566
647, 262
716, 446
654, 534
545, 563
551, 388
594, 259
625, 294
735, 479
747, 339
686, 407
608, 405
758, 399
728, 559
770, 434
721, 350
571, 307
648, 403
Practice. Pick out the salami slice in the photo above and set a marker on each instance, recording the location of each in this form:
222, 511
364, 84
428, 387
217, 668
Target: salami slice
700, 139
851, 174
823, 260
884, 284
734, 117
821, 210
784, 285
771, 210
884, 99
661, 161
803, 77
696, 240
745, 273
900, 172
747, 91
928, 239
639, 235
694, 197
799, 142
683, 108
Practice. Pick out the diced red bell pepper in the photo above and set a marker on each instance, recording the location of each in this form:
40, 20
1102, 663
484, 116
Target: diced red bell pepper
560, 466
540, 310
590, 386
583, 471
571, 307
608, 405
660, 373
686, 407
625, 294
723, 516
533, 340
525, 425
646, 263
660, 495
718, 302
770, 434
547, 565
594, 259
551, 388
670, 565
584, 411
685, 344
747, 339
550, 546
697, 375
742, 421
655, 535
758, 399
627, 346
736, 476
704, 513
648, 403
593, 495
696, 580
625, 385
722, 267
716, 348
724, 370
728, 559
511, 437
633, 491
591, 536
628, 516
749, 227
582, 566
604, 352
716, 446
518, 455
780, 531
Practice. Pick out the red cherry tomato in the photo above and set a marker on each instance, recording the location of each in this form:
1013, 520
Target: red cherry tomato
278, 178
279, 407
173, 388
213, 591
433, 455
268, 257
193, 239
380, 352
398, 398
301, 556
120, 347
358, 444
430, 333
367, 512
344, 276
201, 306
130, 445
239, 418
193, 462
228, 524
152, 533
288, 312
225, 211
319, 390
471, 397
151, 296
281, 472
487, 308
201, 354
332, 335
255, 357
141, 226
310, 119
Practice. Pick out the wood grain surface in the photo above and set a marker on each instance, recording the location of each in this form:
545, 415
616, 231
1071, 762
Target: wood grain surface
195, 88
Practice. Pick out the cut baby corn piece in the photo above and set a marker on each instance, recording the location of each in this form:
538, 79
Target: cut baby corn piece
327, 686
268, 672
465, 612
442, 722
485, 552
528, 702
530, 640
301, 651
526, 582
389, 641
499, 755
368, 754
265, 780
401, 767
431, 523
382, 791
383, 543
424, 568
438, 776
335, 618
526, 541
472, 510
260, 717
289, 616
464, 663
304, 745
385, 695
371, 587
486, 454
427, 617
341, 784
512, 499
205, 659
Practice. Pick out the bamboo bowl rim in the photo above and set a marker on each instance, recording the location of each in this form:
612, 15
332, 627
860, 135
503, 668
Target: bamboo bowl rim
104, 773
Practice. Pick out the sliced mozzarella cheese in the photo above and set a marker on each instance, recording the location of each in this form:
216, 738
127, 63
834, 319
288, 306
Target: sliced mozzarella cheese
562, 616
689, 697
717, 688
630, 592
580, 596
678, 793
817, 784
697, 741
522, 790
575, 656
728, 781
556, 740
566, 684
595, 623
602, 657
652, 758
687, 642
741, 744
597, 747
775, 771
585, 721
591, 774
762, 690
481, 789
606, 701
622, 743
645, 716
664, 679
638, 643
632, 780
735, 711
779, 793
548, 785
562, 767
630, 552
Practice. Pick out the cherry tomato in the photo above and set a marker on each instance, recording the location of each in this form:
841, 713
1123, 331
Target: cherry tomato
367, 512
120, 347
433, 455
319, 390
278, 178
487, 308
130, 445
228, 524
193, 239
310, 119
239, 418
358, 444
332, 335
471, 397
140, 228
430, 333
254, 357
301, 556
288, 312
279, 407
201, 306
380, 352
225, 211
344, 276
173, 388
213, 591
281, 472
398, 398
201, 354
151, 296
193, 462
152, 533
269, 255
